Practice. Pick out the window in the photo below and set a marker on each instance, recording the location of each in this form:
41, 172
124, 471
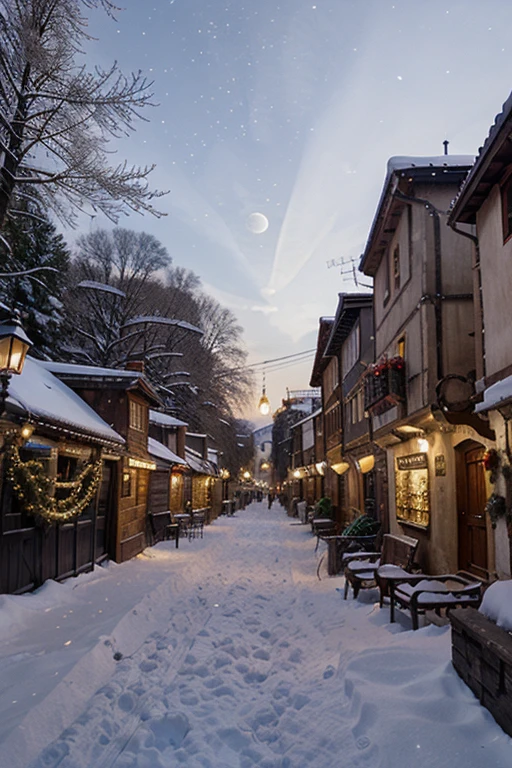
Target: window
506, 207
396, 267
351, 349
387, 285
137, 420
401, 347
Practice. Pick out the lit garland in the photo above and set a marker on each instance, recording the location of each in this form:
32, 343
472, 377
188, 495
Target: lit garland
34, 488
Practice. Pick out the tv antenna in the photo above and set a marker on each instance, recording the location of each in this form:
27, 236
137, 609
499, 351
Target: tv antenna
348, 267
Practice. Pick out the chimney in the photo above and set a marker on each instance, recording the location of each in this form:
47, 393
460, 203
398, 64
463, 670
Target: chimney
445, 144
135, 365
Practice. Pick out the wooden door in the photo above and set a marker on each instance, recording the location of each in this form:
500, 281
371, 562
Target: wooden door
106, 510
471, 500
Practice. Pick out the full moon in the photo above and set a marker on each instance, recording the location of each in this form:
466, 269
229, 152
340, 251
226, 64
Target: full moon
257, 223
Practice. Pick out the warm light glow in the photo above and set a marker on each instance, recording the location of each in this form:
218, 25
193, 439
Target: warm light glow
224, 473
26, 431
341, 467
264, 404
320, 467
246, 475
265, 465
296, 474
140, 464
423, 444
14, 345
366, 463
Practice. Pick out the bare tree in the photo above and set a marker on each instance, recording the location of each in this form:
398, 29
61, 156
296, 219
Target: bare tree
111, 312
57, 116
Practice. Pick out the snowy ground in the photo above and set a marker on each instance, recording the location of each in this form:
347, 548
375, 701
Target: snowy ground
229, 652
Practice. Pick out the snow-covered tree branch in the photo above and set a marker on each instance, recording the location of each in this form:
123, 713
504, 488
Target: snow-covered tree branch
57, 117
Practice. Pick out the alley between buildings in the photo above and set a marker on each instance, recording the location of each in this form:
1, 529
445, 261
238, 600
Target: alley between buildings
229, 652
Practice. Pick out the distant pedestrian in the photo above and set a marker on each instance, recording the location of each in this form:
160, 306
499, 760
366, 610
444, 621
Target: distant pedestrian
270, 499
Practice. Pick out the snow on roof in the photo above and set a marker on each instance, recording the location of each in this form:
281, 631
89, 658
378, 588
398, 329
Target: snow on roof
68, 369
161, 451
496, 395
165, 420
198, 464
403, 162
399, 163
44, 396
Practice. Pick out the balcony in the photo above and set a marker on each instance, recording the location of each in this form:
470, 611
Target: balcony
384, 385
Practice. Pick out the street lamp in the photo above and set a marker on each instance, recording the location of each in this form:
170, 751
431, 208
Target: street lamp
14, 345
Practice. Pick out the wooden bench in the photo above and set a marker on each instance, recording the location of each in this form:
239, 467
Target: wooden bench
339, 546
164, 527
420, 593
361, 569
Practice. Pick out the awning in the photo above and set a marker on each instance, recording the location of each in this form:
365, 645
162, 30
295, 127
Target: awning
496, 395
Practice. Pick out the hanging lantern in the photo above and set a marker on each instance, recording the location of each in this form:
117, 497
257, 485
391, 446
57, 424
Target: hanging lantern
264, 403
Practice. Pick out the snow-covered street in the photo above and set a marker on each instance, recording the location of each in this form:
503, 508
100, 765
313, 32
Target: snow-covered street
230, 652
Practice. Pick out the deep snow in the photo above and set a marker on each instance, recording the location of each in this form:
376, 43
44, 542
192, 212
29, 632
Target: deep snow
229, 652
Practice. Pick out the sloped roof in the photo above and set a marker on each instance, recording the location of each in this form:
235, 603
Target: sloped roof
42, 396
74, 373
492, 158
439, 169
349, 309
307, 418
196, 462
160, 451
165, 420
320, 363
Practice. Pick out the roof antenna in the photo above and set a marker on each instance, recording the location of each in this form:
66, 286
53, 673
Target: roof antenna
445, 145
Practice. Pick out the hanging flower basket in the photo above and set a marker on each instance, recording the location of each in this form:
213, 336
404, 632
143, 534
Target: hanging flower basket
496, 508
385, 383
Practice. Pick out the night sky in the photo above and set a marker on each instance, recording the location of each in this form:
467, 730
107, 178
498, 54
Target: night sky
291, 109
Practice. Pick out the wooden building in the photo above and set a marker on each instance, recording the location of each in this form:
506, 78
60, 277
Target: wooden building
170, 432
326, 374
65, 437
122, 398
482, 214
418, 391
351, 343
308, 466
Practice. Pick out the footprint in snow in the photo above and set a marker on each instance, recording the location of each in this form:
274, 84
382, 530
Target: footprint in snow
329, 672
126, 702
262, 654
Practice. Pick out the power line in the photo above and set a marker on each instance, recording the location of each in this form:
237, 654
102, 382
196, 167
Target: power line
278, 359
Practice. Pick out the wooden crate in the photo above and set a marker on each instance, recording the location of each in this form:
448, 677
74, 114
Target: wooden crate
482, 656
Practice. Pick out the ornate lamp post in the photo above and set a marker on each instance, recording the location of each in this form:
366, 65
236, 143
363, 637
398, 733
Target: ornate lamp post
14, 345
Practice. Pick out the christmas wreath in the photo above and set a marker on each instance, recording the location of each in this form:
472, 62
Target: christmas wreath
35, 490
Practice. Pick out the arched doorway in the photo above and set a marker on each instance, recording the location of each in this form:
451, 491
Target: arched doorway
471, 500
